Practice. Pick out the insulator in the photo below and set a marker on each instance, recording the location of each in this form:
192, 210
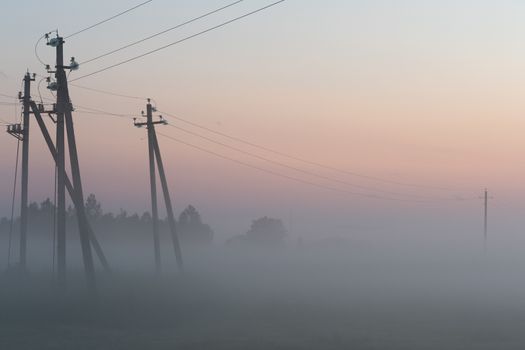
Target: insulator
53, 86
53, 42
73, 65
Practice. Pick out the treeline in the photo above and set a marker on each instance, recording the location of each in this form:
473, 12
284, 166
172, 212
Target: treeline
42, 223
190, 226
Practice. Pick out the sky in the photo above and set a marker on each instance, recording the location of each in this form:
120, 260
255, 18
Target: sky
425, 93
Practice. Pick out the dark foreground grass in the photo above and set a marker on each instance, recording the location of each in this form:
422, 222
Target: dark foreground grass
189, 312
286, 302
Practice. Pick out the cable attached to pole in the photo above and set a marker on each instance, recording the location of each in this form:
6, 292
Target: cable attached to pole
13, 206
54, 220
178, 41
162, 32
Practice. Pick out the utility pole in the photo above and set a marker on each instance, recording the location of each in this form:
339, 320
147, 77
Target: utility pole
69, 186
61, 166
21, 132
485, 218
26, 98
153, 187
154, 155
64, 123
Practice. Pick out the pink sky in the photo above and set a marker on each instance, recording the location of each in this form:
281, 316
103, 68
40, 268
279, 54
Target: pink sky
427, 94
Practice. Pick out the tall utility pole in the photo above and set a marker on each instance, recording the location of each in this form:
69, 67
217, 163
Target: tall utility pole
21, 132
64, 110
69, 186
25, 171
154, 155
153, 187
60, 166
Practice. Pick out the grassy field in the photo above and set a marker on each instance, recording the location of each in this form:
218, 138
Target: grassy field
287, 302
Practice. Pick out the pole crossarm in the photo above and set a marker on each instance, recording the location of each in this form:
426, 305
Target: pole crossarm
16, 130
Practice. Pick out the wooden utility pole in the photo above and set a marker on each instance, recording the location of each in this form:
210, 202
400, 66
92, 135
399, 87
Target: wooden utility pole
153, 187
69, 186
485, 218
25, 170
64, 121
21, 132
154, 155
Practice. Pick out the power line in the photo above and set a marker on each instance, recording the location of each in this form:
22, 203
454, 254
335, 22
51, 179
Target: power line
38, 42
129, 116
160, 33
302, 170
109, 19
178, 41
36, 50
108, 92
303, 160
372, 196
103, 114
415, 198
91, 110
13, 206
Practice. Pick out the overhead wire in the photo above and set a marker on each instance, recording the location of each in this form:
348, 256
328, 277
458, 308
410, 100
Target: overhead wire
161, 32
104, 114
96, 110
108, 92
108, 19
90, 110
11, 225
38, 89
36, 47
36, 50
307, 172
296, 158
293, 178
55, 199
178, 41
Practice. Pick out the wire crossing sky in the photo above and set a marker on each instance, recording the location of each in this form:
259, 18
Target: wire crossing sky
414, 98
179, 41
108, 19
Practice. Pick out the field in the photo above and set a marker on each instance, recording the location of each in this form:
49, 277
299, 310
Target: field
288, 299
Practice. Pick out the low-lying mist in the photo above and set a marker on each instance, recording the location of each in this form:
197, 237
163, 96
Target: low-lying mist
306, 294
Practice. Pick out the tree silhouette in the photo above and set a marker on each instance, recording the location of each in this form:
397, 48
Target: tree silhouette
192, 229
123, 225
93, 207
263, 231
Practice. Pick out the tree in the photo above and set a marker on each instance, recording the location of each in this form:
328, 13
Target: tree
263, 231
191, 227
93, 207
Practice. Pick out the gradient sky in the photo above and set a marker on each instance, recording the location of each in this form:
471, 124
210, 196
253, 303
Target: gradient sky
423, 92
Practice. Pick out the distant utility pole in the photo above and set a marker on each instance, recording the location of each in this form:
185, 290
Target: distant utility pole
485, 218
154, 154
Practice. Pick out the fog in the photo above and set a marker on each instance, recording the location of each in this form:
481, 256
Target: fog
331, 293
